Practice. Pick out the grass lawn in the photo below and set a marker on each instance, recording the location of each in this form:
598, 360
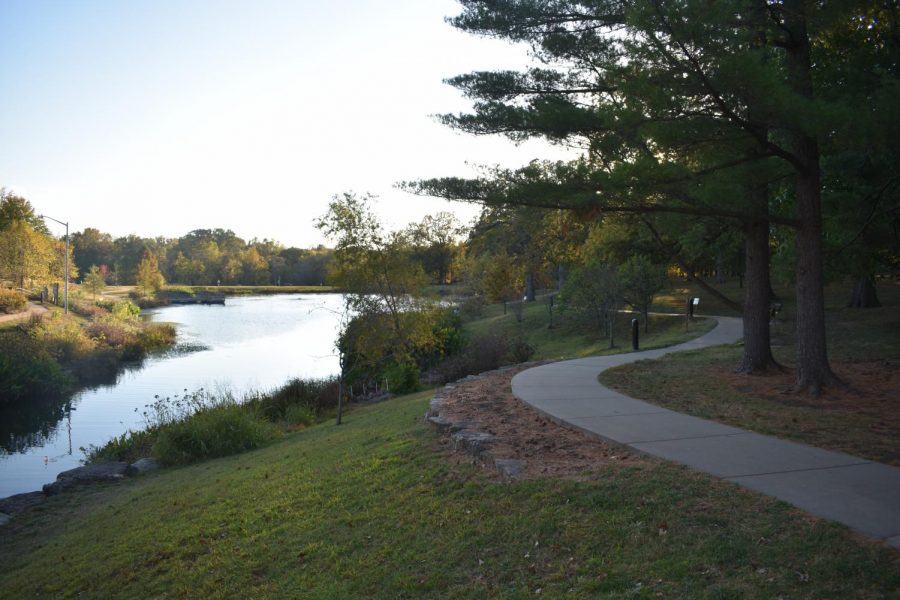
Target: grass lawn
574, 337
372, 509
864, 348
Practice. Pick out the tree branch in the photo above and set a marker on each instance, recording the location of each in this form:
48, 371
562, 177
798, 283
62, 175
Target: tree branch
674, 255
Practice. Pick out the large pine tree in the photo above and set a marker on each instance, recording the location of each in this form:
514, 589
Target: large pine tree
688, 107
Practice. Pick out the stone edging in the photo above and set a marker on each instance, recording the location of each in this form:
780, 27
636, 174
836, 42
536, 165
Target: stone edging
67, 480
465, 436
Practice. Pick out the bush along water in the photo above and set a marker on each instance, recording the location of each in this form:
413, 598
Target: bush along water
483, 352
29, 370
372, 365
200, 425
49, 355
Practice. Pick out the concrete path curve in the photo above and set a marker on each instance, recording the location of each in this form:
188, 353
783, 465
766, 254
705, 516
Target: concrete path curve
863, 495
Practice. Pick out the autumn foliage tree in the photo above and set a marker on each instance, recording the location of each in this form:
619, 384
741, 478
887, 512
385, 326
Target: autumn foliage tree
390, 319
149, 279
29, 255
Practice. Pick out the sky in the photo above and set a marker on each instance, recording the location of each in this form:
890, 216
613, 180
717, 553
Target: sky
160, 117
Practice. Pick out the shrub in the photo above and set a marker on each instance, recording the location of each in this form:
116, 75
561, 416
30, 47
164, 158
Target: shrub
213, 432
317, 395
111, 331
128, 447
300, 414
519, 350
484, 352
126, 309
133, 338
402, 378
87, 309
156, 336
448, 333
12, 301
62, 335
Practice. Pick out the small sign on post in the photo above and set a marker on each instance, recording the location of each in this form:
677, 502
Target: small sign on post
692, 305
635, 332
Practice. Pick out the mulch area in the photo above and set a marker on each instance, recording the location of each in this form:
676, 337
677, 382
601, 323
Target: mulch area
872, 388
870, 401
550, 450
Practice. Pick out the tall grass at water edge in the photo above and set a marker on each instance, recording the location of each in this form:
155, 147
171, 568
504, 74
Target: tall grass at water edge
200, 425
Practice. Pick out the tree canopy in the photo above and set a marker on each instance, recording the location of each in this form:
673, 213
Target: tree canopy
694, 109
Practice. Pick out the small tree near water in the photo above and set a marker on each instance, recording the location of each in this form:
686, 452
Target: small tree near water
383, 291
149, 279
94, 282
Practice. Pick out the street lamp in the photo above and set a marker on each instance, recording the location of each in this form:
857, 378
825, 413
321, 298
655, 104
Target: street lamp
67, 259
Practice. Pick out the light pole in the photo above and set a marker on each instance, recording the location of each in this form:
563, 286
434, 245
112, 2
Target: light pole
66, 260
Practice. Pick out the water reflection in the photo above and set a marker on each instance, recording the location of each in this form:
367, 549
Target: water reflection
33, 424
254, 343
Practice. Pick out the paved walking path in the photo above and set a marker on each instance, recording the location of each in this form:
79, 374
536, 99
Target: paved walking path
863, 495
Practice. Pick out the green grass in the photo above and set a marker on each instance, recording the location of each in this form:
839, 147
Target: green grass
371, 509
837, 296
573, 337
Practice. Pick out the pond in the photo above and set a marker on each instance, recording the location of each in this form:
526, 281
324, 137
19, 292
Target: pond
250, 343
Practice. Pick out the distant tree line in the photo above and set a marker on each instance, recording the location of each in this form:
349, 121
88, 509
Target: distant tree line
200, 257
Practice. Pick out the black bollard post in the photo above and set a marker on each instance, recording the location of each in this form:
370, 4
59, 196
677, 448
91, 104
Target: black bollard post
635, 328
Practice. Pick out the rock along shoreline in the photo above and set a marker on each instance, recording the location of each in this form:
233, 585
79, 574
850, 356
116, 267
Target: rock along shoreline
73, 478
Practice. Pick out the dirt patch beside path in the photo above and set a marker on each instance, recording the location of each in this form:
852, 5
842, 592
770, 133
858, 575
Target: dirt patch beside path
549, 450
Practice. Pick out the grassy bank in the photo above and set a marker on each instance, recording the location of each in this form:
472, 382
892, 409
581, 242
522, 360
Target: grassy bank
862, 419
572, 336
372, 509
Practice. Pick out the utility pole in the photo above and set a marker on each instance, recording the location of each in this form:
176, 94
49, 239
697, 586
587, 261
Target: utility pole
66, 293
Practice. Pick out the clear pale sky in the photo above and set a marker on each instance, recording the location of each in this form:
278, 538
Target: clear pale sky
159, 117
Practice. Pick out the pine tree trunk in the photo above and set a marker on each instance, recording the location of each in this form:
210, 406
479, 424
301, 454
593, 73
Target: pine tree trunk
864, 293
757, 357
813, 370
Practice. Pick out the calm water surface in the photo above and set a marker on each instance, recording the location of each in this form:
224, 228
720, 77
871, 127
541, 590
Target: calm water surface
254, 343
